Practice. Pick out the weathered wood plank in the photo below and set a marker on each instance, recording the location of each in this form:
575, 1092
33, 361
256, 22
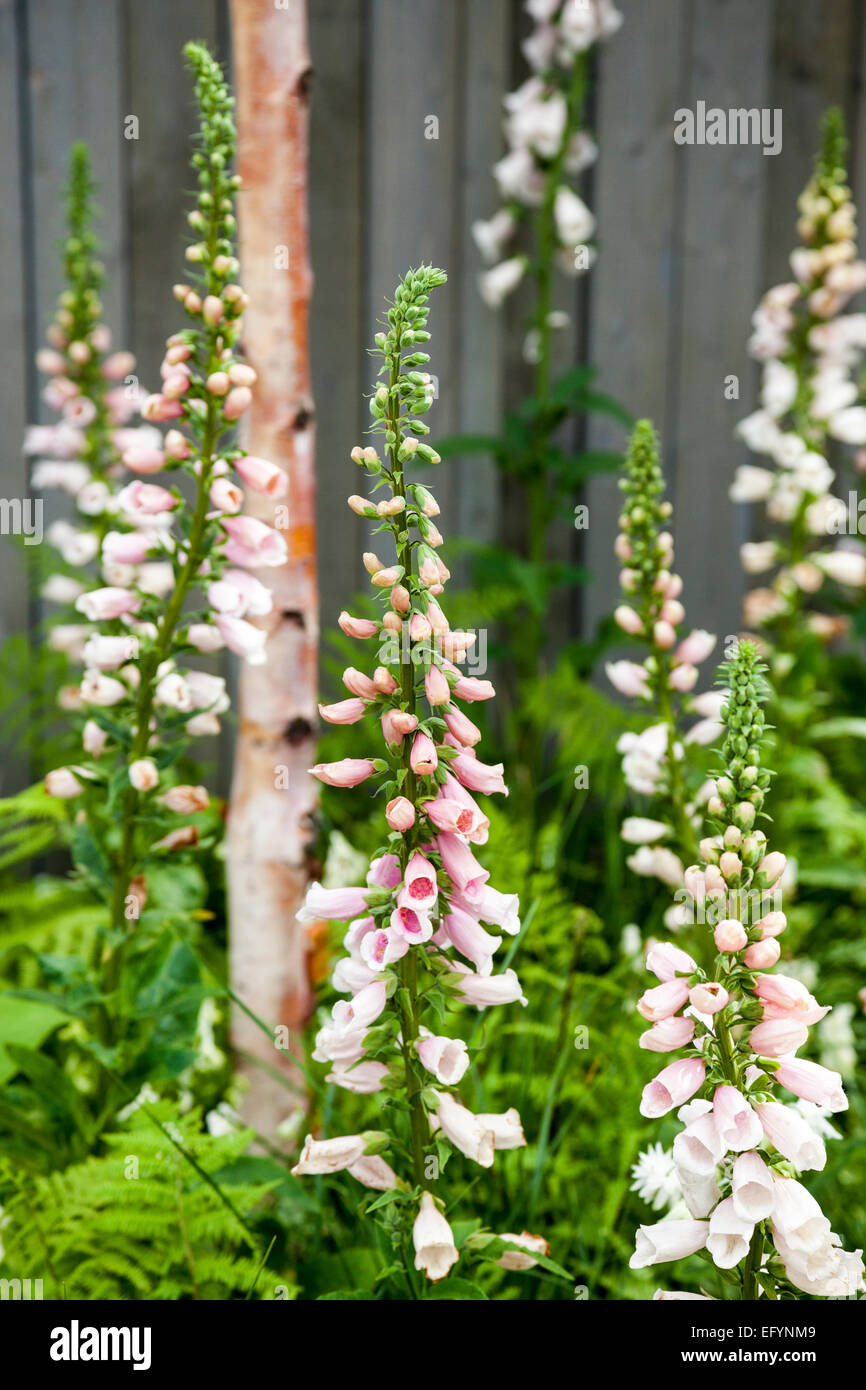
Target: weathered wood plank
857, 121
485, 54
636, 202
812, 68
76, 93
720, 242
338, 325
14, 284
17, 379
157, 163
414, 135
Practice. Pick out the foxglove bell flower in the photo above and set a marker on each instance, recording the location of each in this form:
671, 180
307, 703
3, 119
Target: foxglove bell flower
546, 149
659, 762
195, 594
741, 1137
96, 395
420, 932
811, 349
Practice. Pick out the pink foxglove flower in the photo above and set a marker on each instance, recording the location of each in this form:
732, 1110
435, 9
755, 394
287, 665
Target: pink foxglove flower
435, 1251
420, 931
662, 762
810, 346
152, 549
96, 396
740, 1139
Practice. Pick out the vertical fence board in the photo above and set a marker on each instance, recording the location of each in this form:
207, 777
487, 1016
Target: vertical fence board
157, 163
13, 312
15, 374
857, 102
722, 264
338, 324
632, 284
812, 58
412, 182
479, 346
77, 68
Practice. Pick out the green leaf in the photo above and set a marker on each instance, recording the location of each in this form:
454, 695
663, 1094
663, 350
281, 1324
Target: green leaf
51, 1084
89, 856
26, 1023
842, 727
461, 1290
347, 1296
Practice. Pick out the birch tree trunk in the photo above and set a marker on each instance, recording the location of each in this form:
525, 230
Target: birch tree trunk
273, 798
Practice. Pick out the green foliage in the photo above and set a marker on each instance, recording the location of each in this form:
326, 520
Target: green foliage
30, 824
139, 1221
509, 583
30, 728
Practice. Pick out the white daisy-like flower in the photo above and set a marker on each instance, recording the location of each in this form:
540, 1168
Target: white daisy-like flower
655, 1178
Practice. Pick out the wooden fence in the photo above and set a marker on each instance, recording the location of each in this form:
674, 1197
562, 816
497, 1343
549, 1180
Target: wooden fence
688, 236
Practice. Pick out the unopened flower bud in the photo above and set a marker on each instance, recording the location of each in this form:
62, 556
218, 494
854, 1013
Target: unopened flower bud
212, 309
360, 506
400, 813
186, 800
238, 400
63, 784
730, 935
762, 955
627, 619
391, 506
143, 774
771, 867
772, 924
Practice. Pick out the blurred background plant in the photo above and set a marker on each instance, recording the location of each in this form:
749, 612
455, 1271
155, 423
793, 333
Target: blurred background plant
540, 451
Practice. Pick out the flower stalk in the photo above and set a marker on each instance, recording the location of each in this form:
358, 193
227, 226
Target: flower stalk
811, 351
738, 1028
177, 577
655, 762
96, 395
427, 901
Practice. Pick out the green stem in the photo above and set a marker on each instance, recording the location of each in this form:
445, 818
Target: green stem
753, 1264
161, 650
146, 692
408, 967
677, 793
726, 1051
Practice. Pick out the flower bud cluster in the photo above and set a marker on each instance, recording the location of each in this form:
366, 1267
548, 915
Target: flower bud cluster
739, 1028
